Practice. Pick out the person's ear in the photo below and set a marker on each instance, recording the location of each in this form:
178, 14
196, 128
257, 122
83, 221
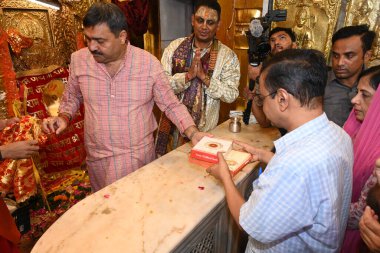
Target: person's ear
218, 25
123, 36
294, 44
367, 56
193, 20
282, 98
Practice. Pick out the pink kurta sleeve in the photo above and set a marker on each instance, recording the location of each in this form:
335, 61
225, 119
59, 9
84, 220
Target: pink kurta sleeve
168, 102
72, 96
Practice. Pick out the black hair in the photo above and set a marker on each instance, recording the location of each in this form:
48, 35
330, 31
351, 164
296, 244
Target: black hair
288, 31
373, 199
212, 4
107, 13
301, 72
374, 73
363, 31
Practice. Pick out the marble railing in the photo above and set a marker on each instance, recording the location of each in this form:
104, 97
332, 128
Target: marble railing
169, 205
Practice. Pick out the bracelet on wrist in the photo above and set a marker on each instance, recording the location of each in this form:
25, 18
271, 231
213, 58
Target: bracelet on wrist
192, 134
65, 117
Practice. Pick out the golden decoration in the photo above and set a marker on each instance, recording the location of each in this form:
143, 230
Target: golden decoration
53, 31
3, 104
17, 42
366, 12
303, 27
313, 21
152, 40
242, 19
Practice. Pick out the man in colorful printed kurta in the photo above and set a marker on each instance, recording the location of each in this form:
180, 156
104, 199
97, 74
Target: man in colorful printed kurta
202, 72
118, 84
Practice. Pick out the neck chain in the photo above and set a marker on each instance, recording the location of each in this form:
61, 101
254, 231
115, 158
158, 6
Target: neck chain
202, 49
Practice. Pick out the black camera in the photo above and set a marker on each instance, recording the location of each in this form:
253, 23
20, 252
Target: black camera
258, 35
258, 44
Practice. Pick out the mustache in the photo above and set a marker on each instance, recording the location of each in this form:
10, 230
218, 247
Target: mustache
95, 52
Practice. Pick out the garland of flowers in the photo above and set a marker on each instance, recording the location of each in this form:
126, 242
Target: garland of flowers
62, 196
7, 73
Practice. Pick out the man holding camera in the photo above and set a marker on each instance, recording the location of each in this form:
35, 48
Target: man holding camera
202, 72
280, 38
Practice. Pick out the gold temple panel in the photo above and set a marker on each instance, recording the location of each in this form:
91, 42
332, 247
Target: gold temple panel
313, 21
34, 24
242, 20
53, 32
152, 40
366, 12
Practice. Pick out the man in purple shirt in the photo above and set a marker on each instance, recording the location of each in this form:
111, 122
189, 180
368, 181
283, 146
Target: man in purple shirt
118, 84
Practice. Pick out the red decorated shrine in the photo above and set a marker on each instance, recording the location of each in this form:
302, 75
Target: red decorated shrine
55, 180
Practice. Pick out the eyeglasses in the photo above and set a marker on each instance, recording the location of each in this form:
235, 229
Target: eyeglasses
259, 99
262, 98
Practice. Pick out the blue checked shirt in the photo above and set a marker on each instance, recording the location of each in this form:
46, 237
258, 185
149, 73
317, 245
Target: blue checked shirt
300, 203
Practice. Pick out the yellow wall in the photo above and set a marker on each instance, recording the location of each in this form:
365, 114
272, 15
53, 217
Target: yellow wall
226, 35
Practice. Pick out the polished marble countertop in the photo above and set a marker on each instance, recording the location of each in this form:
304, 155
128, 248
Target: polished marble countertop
152, 209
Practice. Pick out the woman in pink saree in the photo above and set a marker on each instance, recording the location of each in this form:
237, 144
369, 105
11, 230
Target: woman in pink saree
363, 125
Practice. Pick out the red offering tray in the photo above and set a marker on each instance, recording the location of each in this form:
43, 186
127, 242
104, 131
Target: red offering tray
205, 153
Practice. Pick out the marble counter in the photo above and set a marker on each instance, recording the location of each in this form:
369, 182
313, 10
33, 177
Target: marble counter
150, 210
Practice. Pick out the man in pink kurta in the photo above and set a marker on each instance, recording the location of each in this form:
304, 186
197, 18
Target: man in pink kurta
119, 122
118, 84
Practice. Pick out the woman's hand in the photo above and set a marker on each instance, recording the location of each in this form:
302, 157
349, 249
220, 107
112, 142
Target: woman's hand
370, 230
19, 149
7, 122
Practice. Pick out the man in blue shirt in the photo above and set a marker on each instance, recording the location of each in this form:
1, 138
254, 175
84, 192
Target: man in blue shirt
300, 203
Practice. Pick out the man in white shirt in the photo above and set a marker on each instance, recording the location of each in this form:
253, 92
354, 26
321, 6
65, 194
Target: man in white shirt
301, 201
